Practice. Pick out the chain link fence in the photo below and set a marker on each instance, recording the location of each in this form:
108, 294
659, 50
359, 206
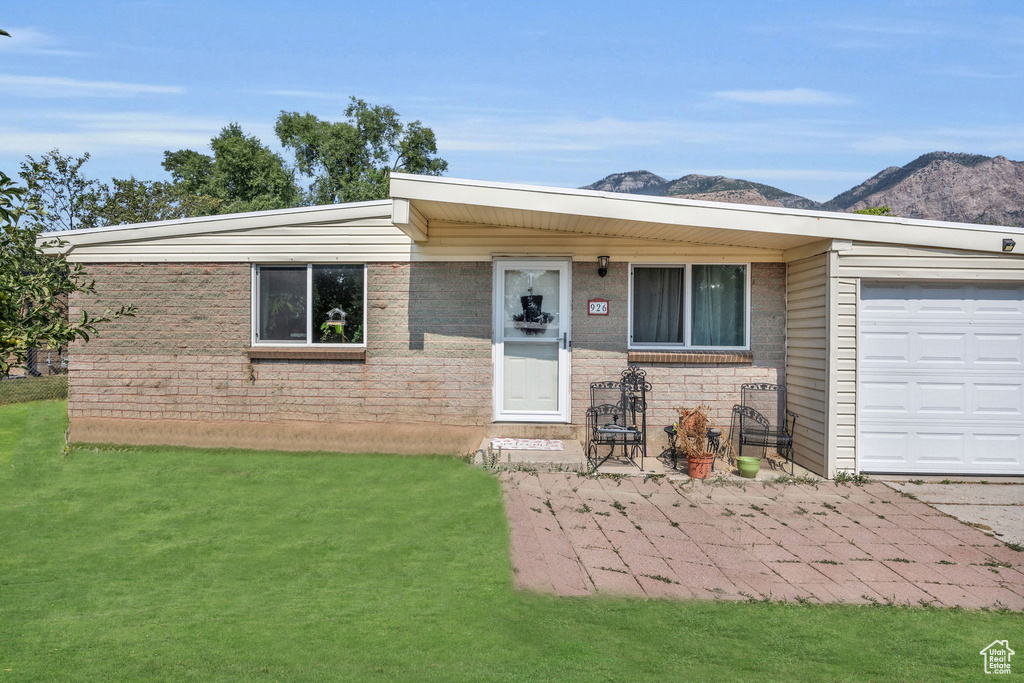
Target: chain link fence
44, 378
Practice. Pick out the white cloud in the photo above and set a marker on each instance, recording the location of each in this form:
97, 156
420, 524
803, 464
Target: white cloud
51, 86
30, 41
784, 97
1006, 140
890, 29
37, 132
306, 94
965, 72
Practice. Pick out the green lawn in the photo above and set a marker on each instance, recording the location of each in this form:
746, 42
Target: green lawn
178, 564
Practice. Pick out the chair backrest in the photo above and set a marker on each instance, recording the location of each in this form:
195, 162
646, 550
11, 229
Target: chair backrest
767, 399
634, 394
750, 418
606, 400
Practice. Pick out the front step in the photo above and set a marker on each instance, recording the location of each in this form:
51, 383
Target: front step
571, 458
533, 430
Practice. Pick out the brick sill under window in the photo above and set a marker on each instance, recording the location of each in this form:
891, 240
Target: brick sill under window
303, 353
692, 357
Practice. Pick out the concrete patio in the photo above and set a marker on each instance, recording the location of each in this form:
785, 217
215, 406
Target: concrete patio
661, 538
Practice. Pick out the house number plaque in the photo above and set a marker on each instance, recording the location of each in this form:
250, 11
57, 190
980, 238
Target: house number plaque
597, 307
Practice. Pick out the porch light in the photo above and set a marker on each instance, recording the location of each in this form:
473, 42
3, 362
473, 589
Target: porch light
1008, 245
602, 264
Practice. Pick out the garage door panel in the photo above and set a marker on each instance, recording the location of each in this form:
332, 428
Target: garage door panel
943, 399
999, 452
941, 378
941, 348
998, 349
939, 451
999, 400
891, 348
944, 450
889, 398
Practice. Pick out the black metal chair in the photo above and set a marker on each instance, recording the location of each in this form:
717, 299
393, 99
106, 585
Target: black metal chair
762, 403
618, 417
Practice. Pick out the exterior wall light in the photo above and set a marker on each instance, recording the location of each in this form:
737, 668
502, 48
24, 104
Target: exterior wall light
602, 264
1008, 245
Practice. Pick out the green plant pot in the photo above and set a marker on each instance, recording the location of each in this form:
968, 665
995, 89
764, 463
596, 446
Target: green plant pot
748, 467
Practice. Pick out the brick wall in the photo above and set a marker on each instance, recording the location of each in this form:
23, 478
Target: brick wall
183, 355
428, 349
599, 347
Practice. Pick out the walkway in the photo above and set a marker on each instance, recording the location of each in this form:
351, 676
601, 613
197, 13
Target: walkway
577, 535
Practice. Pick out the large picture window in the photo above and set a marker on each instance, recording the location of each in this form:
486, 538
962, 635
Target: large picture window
311, 304
701, 306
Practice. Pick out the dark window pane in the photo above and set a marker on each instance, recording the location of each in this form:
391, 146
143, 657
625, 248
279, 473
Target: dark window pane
282, 303
338, 296
658, 295
719, 306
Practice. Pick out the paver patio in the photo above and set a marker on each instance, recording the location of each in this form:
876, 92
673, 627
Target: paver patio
655, 537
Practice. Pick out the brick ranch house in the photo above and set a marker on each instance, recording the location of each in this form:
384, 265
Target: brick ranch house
405, 324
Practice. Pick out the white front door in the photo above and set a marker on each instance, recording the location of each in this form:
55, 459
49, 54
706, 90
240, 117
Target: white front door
531, 340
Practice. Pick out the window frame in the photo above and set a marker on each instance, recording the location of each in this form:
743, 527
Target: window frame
687, 308
308, 341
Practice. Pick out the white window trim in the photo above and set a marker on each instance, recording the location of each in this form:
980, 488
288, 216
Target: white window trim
688, 307
308, 341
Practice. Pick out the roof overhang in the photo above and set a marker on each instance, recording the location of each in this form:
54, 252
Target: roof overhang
419, 201
303, 215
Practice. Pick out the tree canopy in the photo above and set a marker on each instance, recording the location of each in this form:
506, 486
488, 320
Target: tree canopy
34, 286
242, 175
338, 161
352, 160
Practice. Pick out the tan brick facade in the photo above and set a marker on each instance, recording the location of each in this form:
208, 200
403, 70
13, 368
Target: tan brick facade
428, 357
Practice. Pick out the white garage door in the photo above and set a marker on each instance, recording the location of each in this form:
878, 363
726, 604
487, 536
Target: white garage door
941, 378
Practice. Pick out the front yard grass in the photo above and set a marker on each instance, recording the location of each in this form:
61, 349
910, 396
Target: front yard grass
187, 564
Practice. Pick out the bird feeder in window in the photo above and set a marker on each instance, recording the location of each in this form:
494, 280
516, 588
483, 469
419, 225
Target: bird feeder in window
336, 320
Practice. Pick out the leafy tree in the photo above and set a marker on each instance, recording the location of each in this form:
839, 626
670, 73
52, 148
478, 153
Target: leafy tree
127, 200
875, 211
352, 160
57, 187
34, 286
242, 175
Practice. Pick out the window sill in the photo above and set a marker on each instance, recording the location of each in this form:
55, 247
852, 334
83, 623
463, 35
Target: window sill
694, 357
304, 353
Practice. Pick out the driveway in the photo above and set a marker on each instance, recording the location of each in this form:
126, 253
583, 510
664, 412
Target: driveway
995, 508
579, 535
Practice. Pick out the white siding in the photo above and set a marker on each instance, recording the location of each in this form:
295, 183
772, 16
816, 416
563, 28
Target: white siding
376, 239
884, 261
845, 348
806, 358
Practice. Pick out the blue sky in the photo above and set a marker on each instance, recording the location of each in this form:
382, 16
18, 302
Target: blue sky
812, 97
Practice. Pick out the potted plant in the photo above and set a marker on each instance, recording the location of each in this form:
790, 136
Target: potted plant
693, 440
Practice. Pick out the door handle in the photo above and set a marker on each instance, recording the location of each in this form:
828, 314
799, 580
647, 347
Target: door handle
566, 344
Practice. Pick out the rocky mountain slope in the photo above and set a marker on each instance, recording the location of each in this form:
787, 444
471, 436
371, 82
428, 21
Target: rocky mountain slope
944, 186
948, 186
712, 188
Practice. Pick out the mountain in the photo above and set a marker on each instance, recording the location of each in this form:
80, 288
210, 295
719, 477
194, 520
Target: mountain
969, 188
720, 188
630, 182
946, 186
712, 188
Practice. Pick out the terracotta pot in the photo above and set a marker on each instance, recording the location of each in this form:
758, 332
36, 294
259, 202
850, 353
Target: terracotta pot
699, 467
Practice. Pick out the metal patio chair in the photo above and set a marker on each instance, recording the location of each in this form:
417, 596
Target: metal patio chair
763, 419
617, 416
